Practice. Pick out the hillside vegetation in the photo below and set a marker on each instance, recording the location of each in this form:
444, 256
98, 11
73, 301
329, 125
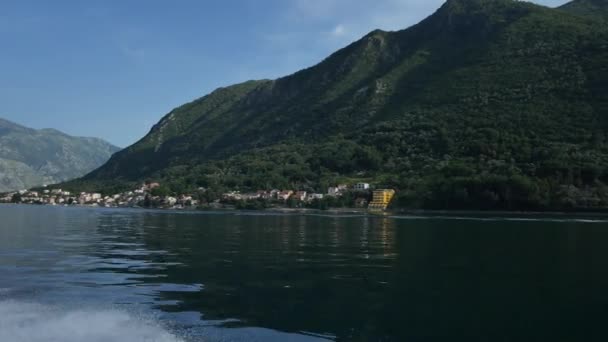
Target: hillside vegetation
486, 104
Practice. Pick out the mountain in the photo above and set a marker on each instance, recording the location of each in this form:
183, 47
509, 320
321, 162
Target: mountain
589, 8
493, 104
31, 157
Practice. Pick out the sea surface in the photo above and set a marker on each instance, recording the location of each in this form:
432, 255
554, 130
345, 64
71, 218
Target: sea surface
104, 275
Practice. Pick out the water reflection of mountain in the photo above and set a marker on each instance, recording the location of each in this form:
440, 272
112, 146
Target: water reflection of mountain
376, 278
281, 272
497, 280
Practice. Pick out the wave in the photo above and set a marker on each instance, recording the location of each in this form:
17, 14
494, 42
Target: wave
30, 322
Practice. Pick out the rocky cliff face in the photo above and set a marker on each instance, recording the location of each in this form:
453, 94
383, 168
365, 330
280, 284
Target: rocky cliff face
31, 157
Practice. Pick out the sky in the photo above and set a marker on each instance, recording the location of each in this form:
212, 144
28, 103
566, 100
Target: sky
113, 68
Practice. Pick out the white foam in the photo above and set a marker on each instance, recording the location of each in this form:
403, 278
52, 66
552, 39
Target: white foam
27, 322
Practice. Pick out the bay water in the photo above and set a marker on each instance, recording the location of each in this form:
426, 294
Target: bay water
82, 274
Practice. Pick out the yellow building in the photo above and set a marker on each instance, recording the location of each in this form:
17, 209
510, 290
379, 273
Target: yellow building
382, 198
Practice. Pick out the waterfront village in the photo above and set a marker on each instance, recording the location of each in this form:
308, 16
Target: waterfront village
360, 195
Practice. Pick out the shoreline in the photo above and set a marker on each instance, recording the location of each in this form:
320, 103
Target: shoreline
351, 211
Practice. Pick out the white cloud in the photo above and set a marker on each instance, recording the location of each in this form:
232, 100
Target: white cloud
339, 31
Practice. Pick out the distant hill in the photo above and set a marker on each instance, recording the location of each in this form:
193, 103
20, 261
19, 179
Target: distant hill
589, 8
31, 157
486, 104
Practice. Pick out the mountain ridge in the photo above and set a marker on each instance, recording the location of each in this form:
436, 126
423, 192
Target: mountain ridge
31, 157
475, 85
588, 8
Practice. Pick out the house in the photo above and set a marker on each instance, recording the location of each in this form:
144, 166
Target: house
151, 186
382, 198
300, 195
251, 196
312, 197
263, 194
232, 195
284, 195
361, 187
336, 191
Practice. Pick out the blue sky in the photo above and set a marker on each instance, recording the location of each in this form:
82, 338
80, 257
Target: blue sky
113, 68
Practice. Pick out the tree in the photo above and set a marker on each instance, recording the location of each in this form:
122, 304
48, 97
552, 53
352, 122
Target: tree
161, 191
16, 198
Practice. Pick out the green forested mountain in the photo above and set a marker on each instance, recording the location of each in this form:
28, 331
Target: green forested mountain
492, 104
31, 157
593, 8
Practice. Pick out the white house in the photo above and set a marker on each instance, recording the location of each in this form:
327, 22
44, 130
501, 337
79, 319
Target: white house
361, 186
312, 197
336, 191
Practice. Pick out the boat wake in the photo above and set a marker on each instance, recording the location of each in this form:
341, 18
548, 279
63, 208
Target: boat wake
27, 322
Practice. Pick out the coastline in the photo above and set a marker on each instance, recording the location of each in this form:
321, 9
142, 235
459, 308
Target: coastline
600, 213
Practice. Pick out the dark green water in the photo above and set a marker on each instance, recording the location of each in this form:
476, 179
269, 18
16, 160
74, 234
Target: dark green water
71, 274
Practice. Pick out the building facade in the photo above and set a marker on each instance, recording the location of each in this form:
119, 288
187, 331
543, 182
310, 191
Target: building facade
382, 198
361, 187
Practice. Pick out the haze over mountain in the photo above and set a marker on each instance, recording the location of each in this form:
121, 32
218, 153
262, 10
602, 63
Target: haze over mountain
30, 157
486, 103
